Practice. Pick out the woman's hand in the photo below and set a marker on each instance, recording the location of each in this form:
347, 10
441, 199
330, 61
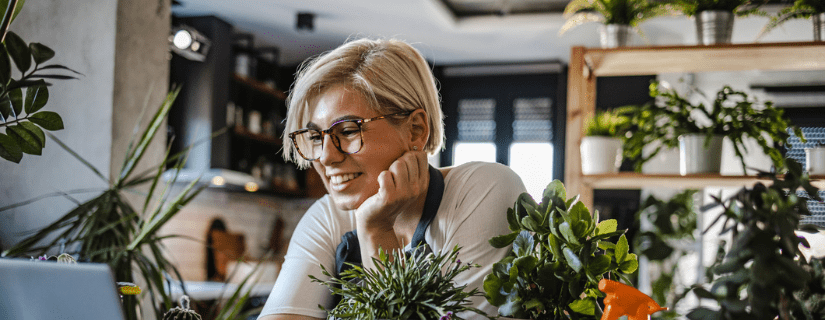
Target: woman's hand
402, 190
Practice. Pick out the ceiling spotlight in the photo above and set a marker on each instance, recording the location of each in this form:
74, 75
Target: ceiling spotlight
305, 21
189, 43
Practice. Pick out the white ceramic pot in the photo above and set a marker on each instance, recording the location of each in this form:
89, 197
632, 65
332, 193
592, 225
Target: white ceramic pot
815, 161
694, 157
601, 154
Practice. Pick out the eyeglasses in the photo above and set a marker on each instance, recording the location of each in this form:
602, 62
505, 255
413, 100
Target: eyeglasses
345, 135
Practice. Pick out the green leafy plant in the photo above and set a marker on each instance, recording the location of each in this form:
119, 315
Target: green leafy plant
740, 8
21, 115
732, 114
402, 287
801, 9
607, 124
763, 274
623, 12
669, 230
559, 254
107, 228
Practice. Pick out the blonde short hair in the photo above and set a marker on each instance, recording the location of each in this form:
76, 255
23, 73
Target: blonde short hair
391, 75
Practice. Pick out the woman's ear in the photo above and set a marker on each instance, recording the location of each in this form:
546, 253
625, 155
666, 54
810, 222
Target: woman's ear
419, 128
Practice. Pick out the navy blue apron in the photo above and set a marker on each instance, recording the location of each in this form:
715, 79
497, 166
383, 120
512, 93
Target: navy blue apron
349, 251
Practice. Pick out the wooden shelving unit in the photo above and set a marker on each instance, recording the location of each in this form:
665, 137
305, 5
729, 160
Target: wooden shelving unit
587, 64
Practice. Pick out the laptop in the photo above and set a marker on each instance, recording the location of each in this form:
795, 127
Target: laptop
42, 290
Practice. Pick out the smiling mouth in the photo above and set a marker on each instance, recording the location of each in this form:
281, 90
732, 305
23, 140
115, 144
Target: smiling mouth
339, 179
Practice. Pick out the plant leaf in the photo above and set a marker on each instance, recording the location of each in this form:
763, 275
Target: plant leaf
5, 4
572, 260
28, 141
74, 154
5, 66
9, 149
621, 249
134, 157
584, 306
41, 137
630, 264
40, 52
19, 51
47, 120
606, 226
523, 244
36, 98
503, 240
16, 100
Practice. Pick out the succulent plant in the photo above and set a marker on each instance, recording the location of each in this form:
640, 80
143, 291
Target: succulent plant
183, 312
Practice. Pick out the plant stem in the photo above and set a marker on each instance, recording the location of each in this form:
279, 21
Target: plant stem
7, 20
13, 121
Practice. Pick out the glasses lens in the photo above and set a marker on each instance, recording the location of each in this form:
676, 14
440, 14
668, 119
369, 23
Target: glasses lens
346, 136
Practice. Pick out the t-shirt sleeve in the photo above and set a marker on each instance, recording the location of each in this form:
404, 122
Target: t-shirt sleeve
311, 246
484, 193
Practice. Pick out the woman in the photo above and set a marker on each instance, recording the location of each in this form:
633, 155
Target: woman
365, 116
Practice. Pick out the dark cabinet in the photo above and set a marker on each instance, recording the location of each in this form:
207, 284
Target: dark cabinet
233, 91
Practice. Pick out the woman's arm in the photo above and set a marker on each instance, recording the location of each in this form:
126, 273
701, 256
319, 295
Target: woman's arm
401, 194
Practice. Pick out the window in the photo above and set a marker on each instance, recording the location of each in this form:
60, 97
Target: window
508, 114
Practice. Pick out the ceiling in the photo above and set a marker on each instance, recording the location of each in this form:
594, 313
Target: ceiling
446, 31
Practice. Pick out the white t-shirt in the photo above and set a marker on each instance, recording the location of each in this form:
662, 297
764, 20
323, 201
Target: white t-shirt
473, 209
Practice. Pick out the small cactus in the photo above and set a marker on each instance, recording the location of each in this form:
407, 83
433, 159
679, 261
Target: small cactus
66, 258
183, 312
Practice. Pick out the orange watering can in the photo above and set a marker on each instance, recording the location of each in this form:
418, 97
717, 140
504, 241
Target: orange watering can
626, 300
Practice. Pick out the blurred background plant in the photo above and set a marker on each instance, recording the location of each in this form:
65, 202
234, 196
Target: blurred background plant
620, 12
610, 123
667, 235
764, 274
800, 9
20, 115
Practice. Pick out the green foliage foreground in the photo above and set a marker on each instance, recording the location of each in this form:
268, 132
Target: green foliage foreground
559, 254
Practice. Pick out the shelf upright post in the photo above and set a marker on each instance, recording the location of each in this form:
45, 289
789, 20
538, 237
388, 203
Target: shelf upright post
581, 105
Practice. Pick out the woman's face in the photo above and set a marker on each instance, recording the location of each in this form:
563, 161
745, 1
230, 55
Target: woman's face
352, 178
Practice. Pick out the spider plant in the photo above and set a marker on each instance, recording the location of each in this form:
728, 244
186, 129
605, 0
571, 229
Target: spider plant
801, 9
622, 12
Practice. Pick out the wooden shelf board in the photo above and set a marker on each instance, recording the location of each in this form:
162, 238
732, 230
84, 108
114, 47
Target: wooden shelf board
259, 86
732, 57
243, 132
632, 180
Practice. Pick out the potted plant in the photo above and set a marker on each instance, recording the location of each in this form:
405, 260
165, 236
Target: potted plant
801, 9
764, 274
601, 146
665, 237
559, 254
108, 229
618, 17
418, 285
815, 160
698, 128
714, 18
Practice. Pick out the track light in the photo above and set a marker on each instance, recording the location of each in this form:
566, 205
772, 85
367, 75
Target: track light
189, 43
305, 21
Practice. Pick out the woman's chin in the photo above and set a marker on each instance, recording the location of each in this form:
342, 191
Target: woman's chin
346, 202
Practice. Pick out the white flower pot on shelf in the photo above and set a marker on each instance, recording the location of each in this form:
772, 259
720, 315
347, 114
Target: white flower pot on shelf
815, 161
601, 154
694, 157
614, 35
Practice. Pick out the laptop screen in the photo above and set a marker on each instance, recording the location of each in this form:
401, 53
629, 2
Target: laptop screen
40, 290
